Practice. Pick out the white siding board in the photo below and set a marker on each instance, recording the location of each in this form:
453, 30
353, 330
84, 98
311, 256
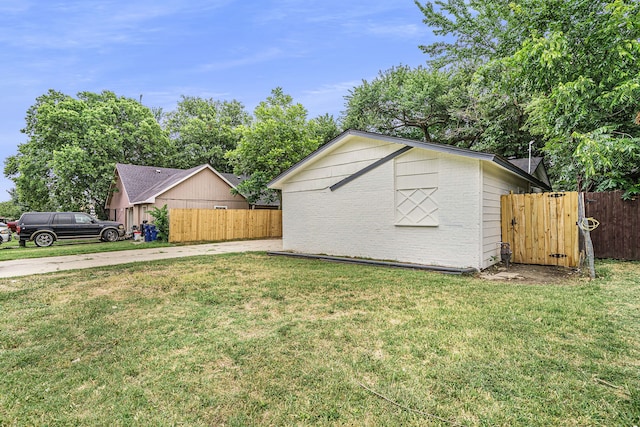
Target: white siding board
344, 161
315, 185
311, 174
354, 151
359, 143
496, 182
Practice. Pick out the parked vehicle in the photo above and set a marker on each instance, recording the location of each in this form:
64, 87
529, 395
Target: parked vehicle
5, 233
44, 228
13, 226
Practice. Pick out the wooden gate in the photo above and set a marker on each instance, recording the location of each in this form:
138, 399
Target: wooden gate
541, 228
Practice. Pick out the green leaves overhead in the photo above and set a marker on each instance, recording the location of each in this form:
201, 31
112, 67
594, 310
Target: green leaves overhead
204, 130
572, 68
585, 86
474, 31
412, 103
73, 144
278, 138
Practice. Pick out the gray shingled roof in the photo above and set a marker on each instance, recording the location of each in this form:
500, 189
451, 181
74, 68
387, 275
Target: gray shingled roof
233, 178
524, 163
144, 182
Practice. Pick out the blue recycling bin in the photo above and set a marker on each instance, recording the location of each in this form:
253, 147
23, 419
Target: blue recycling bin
150, 233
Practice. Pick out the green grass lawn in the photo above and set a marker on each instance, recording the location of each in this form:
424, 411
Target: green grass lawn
12, 251
248, 339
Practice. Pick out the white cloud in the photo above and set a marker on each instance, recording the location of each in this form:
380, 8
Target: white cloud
326, 99
399, 30
332, 89
250, 59
168, 98
92, 24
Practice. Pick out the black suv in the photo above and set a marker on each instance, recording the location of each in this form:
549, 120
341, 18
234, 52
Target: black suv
44, 228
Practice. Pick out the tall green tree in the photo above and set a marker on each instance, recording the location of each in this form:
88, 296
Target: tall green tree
500, 115
416, 103
584, 76
204, 130
570, 67
73, 144
279, 137
449, 106
473, 32
10, 210
325, 127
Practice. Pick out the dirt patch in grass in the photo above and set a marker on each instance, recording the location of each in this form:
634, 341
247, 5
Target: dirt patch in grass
7, 287
534, 274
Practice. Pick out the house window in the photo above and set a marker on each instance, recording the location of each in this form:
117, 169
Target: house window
219, 207
416, 189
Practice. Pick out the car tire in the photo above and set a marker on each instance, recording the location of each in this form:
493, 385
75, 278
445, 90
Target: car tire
110, 235
44, 240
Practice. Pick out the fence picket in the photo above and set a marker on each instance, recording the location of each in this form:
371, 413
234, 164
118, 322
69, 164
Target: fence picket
618, 235
201, 225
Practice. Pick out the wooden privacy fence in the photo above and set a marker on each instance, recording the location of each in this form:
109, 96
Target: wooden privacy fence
618, 234
202, 225
541, 228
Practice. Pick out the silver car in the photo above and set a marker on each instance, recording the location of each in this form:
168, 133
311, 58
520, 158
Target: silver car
5, 233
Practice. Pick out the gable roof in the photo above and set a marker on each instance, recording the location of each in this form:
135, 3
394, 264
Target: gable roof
524, 163
144, 183
450, 149
537, 167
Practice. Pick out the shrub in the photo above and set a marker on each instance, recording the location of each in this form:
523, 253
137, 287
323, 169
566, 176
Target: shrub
161, 221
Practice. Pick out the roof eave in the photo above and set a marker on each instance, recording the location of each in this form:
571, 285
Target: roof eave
277, 182
506, 164
152, 199
114, 184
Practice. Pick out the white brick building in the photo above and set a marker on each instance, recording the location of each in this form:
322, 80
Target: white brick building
373, 196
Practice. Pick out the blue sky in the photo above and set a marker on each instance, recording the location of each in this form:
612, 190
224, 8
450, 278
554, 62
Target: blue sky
316, 50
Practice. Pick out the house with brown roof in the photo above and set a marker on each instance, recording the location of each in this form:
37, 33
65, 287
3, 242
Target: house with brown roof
136, 190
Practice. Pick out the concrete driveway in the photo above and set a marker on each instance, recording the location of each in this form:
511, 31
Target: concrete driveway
25, 267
